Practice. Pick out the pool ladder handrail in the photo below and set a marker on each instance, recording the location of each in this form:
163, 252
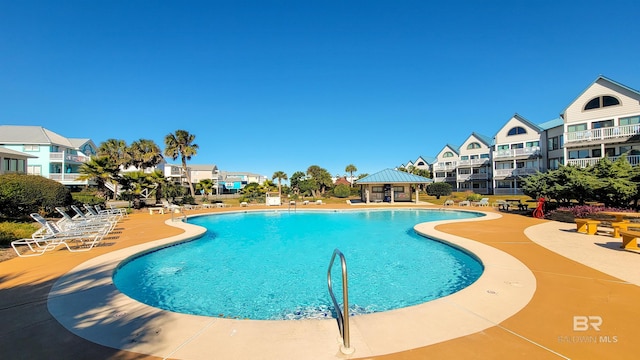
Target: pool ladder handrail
173, 211
342, 316
295, 206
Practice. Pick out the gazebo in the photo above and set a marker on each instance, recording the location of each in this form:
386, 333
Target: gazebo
390, 186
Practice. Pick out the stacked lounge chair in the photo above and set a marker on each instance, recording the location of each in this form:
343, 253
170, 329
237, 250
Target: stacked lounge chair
79, 233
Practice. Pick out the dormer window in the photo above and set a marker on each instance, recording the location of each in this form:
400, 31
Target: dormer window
473, 145
601, 101
448, 154
518, 130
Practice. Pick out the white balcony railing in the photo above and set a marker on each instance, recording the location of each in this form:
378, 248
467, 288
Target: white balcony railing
445, 166
473, 162
514, 172
510, 153
467, 177
66, 177
602, 134
634, 160
60, 156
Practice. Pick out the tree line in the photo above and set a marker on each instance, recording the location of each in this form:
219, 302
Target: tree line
612, 183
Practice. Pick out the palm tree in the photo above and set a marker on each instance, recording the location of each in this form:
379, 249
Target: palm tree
100, 169
206, 185
351, 169
280, 175
181, 145
144, 154
116, 151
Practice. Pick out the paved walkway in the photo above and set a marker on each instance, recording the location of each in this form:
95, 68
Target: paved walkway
545, 328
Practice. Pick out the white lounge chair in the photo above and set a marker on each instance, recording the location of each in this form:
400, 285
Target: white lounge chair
449, 203
482, 202
43, 241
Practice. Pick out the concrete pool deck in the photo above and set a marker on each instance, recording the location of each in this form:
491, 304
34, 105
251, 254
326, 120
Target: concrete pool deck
560, 289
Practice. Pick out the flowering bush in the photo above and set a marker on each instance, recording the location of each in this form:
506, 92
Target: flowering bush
586, 211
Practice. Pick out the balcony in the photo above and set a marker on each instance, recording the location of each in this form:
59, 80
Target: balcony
68, 178
58, 157
504, 173
468, 177
473, 162
634, 160
608, 133
445, 166
513, 153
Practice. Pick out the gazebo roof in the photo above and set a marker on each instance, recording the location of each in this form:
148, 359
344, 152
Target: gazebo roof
390, 176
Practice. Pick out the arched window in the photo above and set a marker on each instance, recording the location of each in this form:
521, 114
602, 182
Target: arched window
420, 163
448, 154
516, 131
601, 101
473, 145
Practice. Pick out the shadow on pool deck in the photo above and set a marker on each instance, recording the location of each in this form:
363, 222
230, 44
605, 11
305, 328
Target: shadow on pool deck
543, 329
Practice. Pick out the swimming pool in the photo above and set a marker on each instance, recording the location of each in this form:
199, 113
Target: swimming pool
272, 265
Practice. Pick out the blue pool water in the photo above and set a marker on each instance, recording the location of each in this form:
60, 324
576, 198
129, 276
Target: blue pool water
273, 265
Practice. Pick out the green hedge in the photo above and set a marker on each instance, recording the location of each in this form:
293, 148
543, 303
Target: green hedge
22, 194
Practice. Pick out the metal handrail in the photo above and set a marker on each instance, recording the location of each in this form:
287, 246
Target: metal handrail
295, 206
173, 211
343, 318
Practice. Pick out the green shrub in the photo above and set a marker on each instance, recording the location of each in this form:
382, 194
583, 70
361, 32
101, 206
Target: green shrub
438, 189
87, 197
10, 231
188, 199
342, 191
22, 194
474, 197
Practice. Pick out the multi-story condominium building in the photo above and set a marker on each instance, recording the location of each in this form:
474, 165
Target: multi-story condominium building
444, 168
603, 121
51, 155
473, 168
517, 153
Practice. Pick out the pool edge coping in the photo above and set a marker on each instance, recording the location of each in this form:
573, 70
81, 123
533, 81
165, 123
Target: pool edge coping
505, 287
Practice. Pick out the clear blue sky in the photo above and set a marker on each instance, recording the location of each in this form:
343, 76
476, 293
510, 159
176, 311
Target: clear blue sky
282, 85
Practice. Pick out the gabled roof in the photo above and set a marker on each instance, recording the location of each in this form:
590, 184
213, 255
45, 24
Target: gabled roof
37, 135
604, 78
455, 149
205, 167
18, 134
390, 176
523, 120
428, 159
552, 123
485, 139
5, 151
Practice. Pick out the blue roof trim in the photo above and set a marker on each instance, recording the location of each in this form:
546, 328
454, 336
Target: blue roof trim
390, 176
552, 123
485, 139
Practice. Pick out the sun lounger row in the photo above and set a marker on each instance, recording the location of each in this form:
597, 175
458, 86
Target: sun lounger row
80, 232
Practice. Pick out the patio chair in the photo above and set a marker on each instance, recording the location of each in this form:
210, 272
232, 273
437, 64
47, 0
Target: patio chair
85, 238
482, 202
449, 203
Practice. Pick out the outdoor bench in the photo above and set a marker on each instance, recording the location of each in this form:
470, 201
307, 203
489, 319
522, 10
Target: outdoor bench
630, 239
588, 226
